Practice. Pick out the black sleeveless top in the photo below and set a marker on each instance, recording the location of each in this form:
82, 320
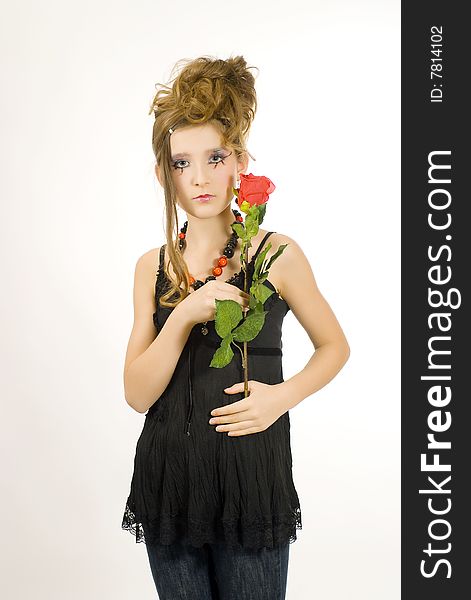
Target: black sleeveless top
193, 483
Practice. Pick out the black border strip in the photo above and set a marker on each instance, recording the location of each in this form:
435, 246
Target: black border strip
435, 260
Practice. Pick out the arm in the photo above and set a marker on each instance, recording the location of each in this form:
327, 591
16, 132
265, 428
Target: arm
144, 382
267, 402
315, 315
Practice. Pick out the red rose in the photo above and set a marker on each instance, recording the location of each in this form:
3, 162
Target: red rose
254, 189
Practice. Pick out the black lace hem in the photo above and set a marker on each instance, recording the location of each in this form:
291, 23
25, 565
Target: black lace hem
254, 533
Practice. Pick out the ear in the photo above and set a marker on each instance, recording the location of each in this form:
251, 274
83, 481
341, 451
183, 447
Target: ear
158, 173
242, 163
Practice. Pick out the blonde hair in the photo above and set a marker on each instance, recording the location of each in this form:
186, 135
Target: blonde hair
204, 90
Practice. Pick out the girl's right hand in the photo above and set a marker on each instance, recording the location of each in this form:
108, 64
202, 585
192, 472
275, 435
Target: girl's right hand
200, 305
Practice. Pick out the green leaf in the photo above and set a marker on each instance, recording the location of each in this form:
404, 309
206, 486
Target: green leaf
251, 222
250, 328
223, 354
261, 212
253, 302
259, 260
240, 230
254, 210
261, 291
228, 315
276, 255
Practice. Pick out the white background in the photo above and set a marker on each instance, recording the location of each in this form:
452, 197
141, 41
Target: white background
80, 203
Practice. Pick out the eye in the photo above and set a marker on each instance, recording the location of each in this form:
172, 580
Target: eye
221, 156
177, 165
218, 156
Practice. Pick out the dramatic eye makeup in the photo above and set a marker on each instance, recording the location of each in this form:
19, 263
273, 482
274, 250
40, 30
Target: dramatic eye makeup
219, 154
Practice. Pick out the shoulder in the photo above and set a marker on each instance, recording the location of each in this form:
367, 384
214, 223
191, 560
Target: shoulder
149, 261
291, 253
145, 272
291, 265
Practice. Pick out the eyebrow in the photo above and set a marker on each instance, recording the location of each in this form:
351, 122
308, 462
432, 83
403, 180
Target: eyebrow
186, 154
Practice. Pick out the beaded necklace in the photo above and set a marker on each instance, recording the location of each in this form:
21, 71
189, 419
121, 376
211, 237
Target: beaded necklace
227, 253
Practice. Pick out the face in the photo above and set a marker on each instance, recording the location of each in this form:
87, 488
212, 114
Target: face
201, 165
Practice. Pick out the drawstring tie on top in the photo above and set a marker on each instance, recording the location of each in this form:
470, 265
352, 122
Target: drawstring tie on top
190, 388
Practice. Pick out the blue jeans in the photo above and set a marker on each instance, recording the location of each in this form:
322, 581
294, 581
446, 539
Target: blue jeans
218, 572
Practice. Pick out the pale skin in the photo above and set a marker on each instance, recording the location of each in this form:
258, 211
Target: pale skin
207, 233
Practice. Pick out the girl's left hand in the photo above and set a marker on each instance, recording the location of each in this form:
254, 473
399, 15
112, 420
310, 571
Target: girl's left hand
255, 413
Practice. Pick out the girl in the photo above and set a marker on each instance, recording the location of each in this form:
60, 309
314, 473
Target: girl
212, 493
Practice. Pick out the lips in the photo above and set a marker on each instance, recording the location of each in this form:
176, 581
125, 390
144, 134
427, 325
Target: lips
203, 197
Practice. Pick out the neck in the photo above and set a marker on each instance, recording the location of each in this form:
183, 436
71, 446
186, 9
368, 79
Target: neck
209, 236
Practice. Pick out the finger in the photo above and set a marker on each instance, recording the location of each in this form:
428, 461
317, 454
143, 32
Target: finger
230, 409
243, 432
237, 426
237, 292
237, 387
243, 299
228, 418
233, 389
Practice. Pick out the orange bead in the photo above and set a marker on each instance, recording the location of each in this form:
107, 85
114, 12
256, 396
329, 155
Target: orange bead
222, 262
192, 280
240, 218
217, 271
181, 236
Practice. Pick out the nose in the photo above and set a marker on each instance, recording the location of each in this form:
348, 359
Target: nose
201, 175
